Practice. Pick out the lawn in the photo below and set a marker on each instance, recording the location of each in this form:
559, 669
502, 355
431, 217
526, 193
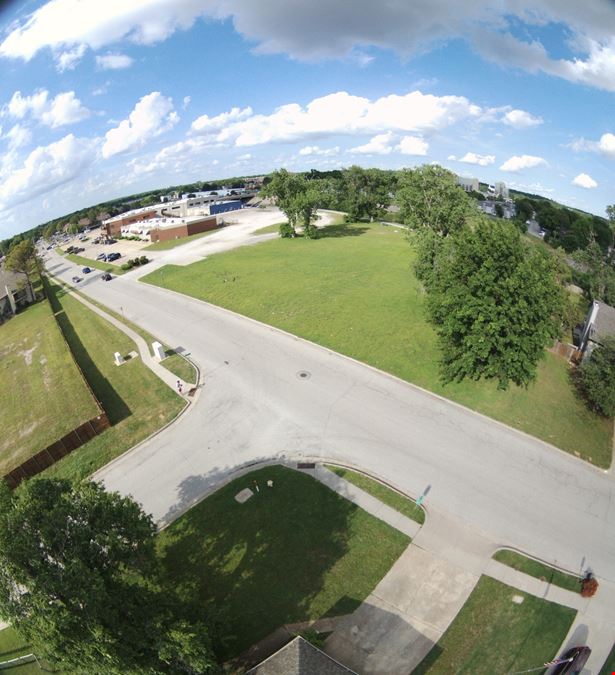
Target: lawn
268, 229
136, 401
538, 570
292, 552
172, 243
42, 394
353, 291
609, 667
386, 495
492, 634
175, 362
11, 647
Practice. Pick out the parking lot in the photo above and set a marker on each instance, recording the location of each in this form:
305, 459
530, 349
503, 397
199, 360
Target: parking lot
126, 247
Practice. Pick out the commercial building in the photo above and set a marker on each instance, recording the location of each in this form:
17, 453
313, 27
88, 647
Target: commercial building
468, 184
166, 228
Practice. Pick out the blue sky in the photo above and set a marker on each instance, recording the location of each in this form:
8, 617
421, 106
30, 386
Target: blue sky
102, 99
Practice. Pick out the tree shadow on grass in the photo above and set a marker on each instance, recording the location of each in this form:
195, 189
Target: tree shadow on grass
112, 403
341, 230
258, 565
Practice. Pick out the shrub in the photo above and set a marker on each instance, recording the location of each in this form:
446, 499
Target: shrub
143, 260
596, 379
126, 266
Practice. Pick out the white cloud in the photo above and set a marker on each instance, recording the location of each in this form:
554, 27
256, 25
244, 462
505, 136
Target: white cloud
605, 145
378, 145
18, 136
327, 29
206, 125
69, 59
316, 150
65, 108
186, 101
44, 168
521, 162
339, 113
245, 157
112, 61
584, 181
413, 145
520, 119
473, 158
152, 115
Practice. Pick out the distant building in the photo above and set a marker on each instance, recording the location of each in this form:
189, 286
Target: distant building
501, 190
468, 184
488, 206
15, 292
299, 657
599, 324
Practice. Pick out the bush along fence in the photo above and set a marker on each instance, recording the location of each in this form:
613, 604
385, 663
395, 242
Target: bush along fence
71, 441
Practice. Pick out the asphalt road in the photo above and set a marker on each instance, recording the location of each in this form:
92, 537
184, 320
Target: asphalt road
512, 488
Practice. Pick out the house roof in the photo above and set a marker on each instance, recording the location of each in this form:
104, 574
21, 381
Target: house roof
604, 324
11, 279
299, 657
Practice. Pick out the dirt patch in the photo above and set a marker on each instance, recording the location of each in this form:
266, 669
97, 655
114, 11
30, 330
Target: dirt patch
27, 355
26, 431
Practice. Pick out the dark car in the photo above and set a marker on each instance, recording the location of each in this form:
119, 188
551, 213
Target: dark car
101, 256
86, 270
113, 256
573, 661
76, 280
106, 277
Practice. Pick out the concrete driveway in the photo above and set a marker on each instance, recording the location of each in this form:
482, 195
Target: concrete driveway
515, 489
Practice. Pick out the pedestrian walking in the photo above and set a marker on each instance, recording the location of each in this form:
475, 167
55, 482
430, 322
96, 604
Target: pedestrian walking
179, 386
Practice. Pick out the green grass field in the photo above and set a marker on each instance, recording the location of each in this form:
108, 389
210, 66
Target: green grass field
172, 243
492, 634
11, 647
354, 291
135, 400
538, 570
385, 494
42, 393
292, 552
94, 264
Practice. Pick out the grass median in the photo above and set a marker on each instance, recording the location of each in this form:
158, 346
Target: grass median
292, 552
13, 646
94, 264
354, 291
499, 630
386, 495
136, 401
42, 394
538, 570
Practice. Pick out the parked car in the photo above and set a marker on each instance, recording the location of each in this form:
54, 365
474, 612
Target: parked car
86, 270
577, 658
101, 256
113, 256
76, 280
106, 277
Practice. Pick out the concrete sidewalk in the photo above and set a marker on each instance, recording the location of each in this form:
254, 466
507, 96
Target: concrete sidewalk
364, 500
169, 378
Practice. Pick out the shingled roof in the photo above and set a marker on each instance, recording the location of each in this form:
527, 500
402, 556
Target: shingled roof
604, 325
299, 657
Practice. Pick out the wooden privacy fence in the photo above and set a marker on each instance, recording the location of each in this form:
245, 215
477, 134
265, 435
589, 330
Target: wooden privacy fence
73, 439
54, 452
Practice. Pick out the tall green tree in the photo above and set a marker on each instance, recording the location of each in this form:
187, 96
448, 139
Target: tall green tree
429, 198
22, 258
297, 198
496, 304
596, 379
366, 192
597, 274
79, 580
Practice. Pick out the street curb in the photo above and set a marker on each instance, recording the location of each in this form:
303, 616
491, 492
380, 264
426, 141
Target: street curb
438, 397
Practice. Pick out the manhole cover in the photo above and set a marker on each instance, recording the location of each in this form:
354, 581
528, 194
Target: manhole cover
303, 375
